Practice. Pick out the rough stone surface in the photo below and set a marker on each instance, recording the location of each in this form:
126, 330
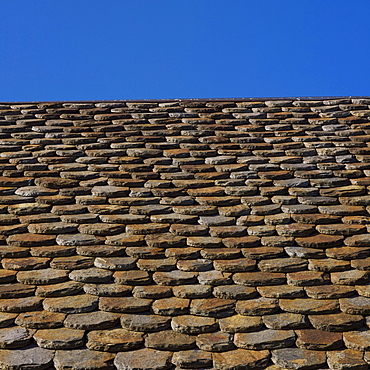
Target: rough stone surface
240, 359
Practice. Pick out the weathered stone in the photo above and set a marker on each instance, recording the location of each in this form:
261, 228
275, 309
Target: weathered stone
346, 359
152, 291
96, 320
307, 278
107, 290
15, 337
212, 307
40, 319
215, 342
74, 304
7, 319
16, 290
257, 307
52, 228
329, 291
192, 359
30, 240
43, 276
59, 290
265, 339
320, 241
258, 278
145, 322
113, 340
328, 265
309, 306
355, 305
282, 264
357, 340
20, 264
361, 240
28, 208
171, 306
189, 324
280, 291
77, 239
91, 275
192, 291
83, 359
336, 322
240, 359
214, 278
132, 277
32, 357
235, 265
115, 263
234, 292
143, 359
285, 321
72, 262
298, 358
169, 340
240, 324
174, 278
101, 229
350, 277
60, 338
318, 339
20, 304
124, 304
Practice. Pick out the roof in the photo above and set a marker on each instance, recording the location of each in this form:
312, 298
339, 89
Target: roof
210, 234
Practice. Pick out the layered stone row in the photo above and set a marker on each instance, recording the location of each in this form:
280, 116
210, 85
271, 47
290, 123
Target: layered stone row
185, 234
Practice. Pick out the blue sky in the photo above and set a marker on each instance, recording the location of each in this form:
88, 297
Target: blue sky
147, 49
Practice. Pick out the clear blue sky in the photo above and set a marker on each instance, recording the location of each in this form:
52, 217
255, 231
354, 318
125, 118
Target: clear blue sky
157, 49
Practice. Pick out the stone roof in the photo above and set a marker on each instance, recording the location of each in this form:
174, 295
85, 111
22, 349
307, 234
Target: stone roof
185, 234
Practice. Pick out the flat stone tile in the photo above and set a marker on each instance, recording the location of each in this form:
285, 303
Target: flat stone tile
239, 358
143, 359
113, 340
83, 359
59, 338
32, 356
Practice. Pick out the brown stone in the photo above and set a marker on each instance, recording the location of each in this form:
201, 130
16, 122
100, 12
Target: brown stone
83, 359
257, 307
124, 304
329, 291
40, 319
282, 265
192, 291
357, 340
113, 340
328, 265
101, 229
169, 340
265, 339
31, 357
20, 264
30, 240
318, 339
96, 320
72, 262
235, 265
189, 324
285, 321
361, 240
60, 338
59, 290
145, 322
307, 278
308, 305
143, 359
43, 276
171, 306
192, 359
320, 241
174, 277
215, 342
355, 305
336, 322
74, 304
346, 359
240, 359
52, 228
258, 278
234, 292
15, 337
298, 358
20, 304
212, 307
16, 290
280, 291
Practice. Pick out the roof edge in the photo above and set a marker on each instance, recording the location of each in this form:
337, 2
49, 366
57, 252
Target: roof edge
190, 99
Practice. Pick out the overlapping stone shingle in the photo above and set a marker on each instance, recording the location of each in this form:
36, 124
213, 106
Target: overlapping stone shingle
185, 234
